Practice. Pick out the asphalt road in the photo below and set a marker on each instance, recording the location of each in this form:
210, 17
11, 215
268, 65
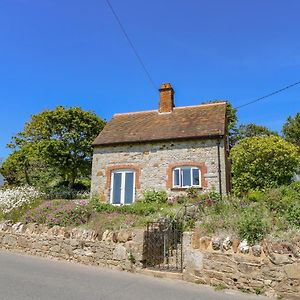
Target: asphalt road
34, 278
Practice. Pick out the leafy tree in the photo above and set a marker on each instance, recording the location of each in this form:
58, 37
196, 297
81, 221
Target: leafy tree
14, 169
262, 162
58, 140
291, 129
250, 130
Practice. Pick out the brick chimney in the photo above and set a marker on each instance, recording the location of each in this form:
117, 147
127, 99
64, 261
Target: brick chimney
166, 100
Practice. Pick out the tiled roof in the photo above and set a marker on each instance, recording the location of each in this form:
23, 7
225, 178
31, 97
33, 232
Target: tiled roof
200, 121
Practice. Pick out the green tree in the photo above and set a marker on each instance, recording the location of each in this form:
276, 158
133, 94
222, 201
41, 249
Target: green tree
15, 169
262, 162
250, 130
291, 129
59, 140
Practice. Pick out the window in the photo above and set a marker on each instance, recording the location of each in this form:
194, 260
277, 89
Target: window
122, 187
184, 177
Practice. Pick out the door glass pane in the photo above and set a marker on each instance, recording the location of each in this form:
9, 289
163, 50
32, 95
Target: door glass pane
195, 176
186, 177
128, 188
176, 177
116, 199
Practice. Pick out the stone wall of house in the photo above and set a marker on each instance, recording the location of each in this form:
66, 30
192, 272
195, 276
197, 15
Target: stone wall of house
121, 250
272, 268
153, 161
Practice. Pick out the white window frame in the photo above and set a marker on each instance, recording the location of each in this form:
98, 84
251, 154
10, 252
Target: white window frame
123, 174
181, 177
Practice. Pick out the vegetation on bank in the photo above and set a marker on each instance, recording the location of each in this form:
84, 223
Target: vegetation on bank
252, 217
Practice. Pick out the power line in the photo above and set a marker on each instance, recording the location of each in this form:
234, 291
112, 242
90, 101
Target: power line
268, 95
131, 44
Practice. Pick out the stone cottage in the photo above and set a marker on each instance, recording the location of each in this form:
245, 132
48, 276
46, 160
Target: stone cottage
172, 149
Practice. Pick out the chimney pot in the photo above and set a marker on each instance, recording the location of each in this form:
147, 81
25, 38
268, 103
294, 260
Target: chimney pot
166, 100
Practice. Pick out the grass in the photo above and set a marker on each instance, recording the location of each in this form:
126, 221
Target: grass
219, 286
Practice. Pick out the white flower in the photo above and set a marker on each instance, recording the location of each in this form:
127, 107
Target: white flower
16, 197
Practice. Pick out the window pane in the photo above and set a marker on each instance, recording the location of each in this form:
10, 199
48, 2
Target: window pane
195, 176
186, 177
116, 199
128, 188
176, 175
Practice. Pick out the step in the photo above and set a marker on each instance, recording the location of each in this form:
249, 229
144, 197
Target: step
161, 274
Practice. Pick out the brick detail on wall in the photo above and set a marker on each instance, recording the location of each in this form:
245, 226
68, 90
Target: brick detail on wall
200, 165
135, 168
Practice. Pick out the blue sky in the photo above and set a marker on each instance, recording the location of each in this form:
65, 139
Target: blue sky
72, 53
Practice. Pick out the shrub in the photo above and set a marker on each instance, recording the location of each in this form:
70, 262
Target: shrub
137, 208
255, 196
293, 215
98, 206
152, 196
140, 208
259, 163
252, 224
59, 212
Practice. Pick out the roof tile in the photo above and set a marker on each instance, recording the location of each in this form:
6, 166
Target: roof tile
200, 121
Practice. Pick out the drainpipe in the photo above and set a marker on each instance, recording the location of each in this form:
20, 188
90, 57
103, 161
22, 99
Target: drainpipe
219, 169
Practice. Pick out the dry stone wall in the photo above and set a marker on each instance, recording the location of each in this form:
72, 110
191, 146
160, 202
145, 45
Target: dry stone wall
272, 268
121, 250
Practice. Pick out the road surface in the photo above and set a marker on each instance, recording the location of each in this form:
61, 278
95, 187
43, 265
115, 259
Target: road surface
33, 278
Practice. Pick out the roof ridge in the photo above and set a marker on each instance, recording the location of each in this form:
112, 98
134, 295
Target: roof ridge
136, 112
176, 107
199, 105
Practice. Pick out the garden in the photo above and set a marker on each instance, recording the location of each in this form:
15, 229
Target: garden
274, 212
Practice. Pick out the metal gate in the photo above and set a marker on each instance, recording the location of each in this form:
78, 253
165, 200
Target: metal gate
164, 245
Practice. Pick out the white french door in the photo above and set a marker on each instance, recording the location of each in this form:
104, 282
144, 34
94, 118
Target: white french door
122, 187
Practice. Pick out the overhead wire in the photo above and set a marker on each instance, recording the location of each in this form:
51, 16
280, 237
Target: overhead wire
132, 45
268, 95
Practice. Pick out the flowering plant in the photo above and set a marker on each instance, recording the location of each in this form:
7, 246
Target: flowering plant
16, 197
59, 212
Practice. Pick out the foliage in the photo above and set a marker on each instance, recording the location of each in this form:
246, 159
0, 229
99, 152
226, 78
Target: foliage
59, 141
59, 212
140, 207
58, 192
152, 196
250, 130
193, 195
253, 224
291, 129
262, 162
275, 211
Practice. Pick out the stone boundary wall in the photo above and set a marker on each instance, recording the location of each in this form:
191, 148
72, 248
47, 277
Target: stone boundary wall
271, 268
121, 250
